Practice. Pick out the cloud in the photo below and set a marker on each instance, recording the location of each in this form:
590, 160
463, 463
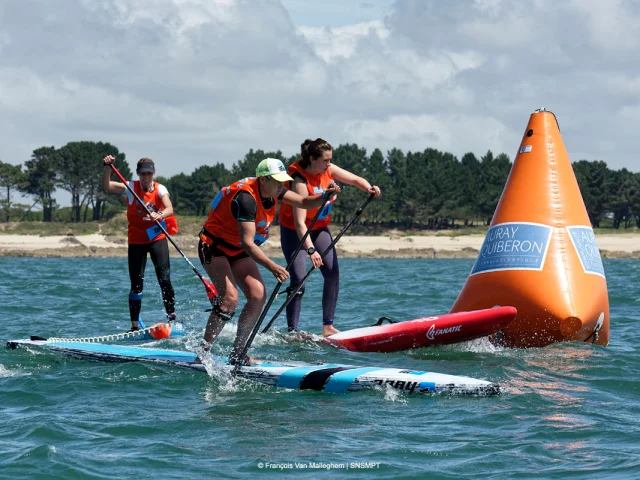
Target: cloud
189, 82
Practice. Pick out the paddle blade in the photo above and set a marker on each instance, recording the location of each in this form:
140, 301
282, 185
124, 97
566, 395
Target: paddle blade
212, 293
160, 330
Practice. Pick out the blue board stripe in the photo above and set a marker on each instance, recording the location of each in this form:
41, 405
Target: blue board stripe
144, 353
132, 352
341, 381
427, 387
293, 377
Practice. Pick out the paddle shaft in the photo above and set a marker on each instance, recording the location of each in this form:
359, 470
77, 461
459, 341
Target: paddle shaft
291, 296
274, 294
211, 289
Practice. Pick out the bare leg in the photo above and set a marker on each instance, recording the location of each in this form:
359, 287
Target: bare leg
249, 280
221, 275
331, 273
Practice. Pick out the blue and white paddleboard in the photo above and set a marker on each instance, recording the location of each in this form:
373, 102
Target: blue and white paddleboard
142, 335
333, 378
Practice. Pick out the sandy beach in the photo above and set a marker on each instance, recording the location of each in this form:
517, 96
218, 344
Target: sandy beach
390, 246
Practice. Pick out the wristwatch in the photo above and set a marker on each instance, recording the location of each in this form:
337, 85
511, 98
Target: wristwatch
311, 251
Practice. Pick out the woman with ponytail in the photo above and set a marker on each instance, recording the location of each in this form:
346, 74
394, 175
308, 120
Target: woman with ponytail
313, 174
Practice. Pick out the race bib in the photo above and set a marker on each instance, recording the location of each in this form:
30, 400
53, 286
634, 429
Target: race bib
326, 211
155, 230
259, 239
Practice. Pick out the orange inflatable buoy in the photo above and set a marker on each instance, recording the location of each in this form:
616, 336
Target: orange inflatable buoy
160, 330
540, 253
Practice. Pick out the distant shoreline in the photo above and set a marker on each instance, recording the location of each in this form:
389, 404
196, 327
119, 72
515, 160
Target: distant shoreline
389, 246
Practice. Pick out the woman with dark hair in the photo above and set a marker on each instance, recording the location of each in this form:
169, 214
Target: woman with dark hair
144, 235
312, 175
229, 248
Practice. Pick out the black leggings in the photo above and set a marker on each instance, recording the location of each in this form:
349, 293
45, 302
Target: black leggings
159, 252
321, 239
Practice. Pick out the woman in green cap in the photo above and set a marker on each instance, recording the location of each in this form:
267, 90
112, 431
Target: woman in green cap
229, 248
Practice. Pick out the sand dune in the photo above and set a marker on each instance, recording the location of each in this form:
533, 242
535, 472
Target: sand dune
420, 246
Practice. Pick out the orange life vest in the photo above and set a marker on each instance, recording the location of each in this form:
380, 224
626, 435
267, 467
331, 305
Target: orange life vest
316, 184
221, 223
141, 228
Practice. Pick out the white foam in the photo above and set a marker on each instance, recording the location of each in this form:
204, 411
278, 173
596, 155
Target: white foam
481, 345
5, 372
394, 395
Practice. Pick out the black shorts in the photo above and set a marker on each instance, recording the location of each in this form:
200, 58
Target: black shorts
205, 252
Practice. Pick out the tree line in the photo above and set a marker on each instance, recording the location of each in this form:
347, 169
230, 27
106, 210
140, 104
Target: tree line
421, 190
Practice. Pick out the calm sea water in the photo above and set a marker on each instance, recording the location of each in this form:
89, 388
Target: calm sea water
569, 411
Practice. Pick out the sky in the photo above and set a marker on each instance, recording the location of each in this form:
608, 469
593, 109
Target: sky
193, 82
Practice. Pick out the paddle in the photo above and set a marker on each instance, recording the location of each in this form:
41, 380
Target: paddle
212, 293
274, 294
324, 254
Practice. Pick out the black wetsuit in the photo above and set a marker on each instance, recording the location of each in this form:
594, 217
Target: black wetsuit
159, 252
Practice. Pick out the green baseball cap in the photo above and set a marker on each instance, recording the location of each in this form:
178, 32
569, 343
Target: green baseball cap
274, 168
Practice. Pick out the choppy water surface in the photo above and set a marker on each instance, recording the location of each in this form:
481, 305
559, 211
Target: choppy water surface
569, 411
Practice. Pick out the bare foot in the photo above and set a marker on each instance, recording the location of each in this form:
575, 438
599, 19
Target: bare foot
328, 330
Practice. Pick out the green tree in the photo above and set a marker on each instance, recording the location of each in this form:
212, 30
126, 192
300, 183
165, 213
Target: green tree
493, 173
446, 173
179, 188
76, 163
80, 171
192, 194
247, 166
207, 182
40, 182
11, 178
418, 193
634, 197
377, 173
94, 196
620, 188
470, 188
592, 180
397, 162
97, 198
351, 158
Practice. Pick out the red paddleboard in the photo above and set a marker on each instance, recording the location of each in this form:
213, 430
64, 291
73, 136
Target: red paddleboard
424, 332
